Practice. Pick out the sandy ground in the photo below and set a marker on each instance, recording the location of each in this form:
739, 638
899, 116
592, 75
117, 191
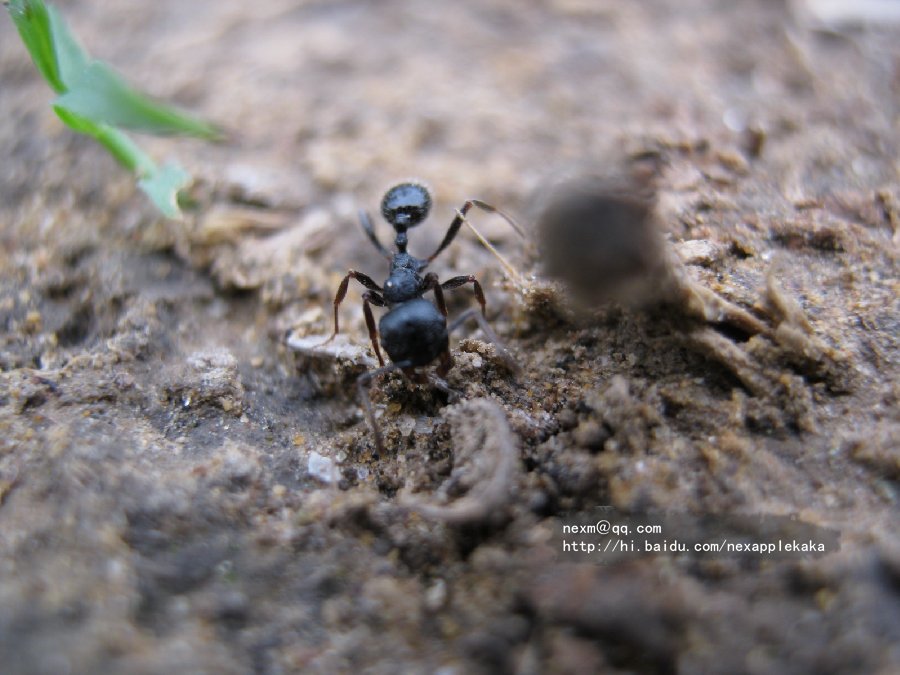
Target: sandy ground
180, 492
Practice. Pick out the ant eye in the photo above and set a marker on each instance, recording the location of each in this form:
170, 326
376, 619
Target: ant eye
406, 205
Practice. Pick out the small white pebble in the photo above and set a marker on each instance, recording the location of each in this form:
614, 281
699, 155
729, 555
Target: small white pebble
734, 119
406, 424
698, 251
436, 595
424, 425
322, 468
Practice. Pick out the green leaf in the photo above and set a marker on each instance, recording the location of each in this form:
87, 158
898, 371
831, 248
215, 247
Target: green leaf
126, 151
71, 58
163, 186
33, 23
93, 100
100, 94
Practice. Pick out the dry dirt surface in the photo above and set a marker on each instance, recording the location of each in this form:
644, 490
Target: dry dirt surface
182, 492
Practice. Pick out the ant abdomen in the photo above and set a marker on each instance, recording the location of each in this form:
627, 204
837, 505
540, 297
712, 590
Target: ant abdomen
414, 332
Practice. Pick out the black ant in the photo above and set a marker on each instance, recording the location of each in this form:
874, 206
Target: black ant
414, 331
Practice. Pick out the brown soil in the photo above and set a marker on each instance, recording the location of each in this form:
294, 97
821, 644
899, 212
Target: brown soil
180, 492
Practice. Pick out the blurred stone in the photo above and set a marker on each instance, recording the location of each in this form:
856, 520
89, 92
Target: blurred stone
598, 234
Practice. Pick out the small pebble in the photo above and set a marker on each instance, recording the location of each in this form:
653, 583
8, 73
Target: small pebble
322, 468
436, 596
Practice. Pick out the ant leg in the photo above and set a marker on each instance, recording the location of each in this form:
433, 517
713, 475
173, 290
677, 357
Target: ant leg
364, 279
446, 364
375, 299
484, 206
502, 352
440, 383
435, 379
361, 383
369, 229
456, 282
432, 283
441, 372
452, 231
460, 218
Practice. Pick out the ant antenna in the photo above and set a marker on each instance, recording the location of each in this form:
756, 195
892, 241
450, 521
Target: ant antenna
511, 271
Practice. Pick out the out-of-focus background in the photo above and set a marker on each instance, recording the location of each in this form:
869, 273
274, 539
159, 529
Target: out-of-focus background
180, 492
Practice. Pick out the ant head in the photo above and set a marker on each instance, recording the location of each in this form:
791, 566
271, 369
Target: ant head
405, 205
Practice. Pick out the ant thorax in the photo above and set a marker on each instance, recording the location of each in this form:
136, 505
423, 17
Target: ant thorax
404, 260
403, 284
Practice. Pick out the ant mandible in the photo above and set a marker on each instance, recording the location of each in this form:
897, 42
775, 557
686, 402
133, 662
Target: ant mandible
414, 331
